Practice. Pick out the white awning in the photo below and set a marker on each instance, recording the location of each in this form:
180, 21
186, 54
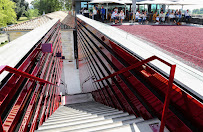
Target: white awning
106, 1
160, 2
146, 2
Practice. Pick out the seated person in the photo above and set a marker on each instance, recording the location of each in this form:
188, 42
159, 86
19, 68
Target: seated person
172, 16
179, 16
162, 17
144, 17
121, 16
167, 17
137, 16
115, 16
187, 16
157, 19
110, 15
154, 16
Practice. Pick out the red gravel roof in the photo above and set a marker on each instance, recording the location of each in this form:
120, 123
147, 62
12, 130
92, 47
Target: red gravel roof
183, 41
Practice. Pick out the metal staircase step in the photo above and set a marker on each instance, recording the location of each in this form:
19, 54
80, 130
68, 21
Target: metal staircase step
77, 126
70, 118
66, 124
100, 107
80, 121
83, 118
143, 126
83, 112
106, 126
69, 115
50, 119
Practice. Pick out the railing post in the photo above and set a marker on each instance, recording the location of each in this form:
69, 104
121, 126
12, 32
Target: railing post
75, 43
1, 126
167, 98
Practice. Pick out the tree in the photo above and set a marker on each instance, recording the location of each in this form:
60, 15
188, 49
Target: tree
48, 6
21, 7
32, 13
195, 11
7, 13
201, 10
68, 5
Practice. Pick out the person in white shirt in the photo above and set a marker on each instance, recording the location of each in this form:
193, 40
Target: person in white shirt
187, 13
172, 16
144, 17
94, 13
115, 16
187, 16
121, 15
162, 16
137, 16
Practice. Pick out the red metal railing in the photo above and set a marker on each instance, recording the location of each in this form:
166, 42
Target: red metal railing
146, 85
26, 109
170, 84
23, 74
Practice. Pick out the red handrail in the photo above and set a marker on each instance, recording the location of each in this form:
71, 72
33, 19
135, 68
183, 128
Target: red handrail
170, 84
24, 74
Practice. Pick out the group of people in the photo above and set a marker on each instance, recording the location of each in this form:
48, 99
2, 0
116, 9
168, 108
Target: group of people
143, 17
117, 16
96, 13
174, 16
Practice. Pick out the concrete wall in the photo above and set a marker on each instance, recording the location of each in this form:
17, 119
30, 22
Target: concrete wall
67, 44
16, 34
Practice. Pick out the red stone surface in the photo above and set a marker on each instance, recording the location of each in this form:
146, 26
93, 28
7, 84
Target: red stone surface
183, 41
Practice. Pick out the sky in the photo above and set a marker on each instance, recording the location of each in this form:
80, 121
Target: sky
191, 7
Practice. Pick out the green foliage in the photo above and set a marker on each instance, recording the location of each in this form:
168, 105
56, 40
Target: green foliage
7, 13
48, 6
68, 5
197, 11
3, 43
32, 13
22, 19
21, 7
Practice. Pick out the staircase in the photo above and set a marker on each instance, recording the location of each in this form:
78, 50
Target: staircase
93, 116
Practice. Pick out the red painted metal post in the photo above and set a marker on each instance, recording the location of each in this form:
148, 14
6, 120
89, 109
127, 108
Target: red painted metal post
167, 98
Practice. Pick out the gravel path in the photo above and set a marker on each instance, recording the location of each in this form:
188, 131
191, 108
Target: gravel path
183, 41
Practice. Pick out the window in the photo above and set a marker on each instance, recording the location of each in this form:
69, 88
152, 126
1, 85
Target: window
83, 4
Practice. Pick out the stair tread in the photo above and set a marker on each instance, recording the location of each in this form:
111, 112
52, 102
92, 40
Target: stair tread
91, 125
143, 126
85, 117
